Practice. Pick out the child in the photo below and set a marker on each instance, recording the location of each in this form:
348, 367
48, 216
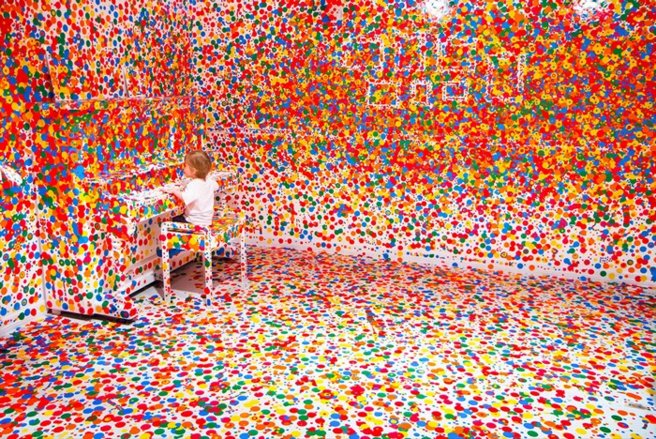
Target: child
198, 195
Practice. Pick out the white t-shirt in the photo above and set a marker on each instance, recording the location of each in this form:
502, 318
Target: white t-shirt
198, 197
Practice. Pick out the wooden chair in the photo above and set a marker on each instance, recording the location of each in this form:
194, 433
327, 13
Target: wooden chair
226, 229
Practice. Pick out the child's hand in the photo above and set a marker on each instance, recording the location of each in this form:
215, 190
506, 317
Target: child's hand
172, 191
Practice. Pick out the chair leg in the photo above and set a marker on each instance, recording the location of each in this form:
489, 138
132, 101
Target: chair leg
166, 274
207, 262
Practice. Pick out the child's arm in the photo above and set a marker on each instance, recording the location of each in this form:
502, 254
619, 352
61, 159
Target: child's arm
175, 192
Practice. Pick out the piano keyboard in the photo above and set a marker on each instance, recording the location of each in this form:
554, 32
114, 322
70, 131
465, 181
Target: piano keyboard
152, 196
148, 196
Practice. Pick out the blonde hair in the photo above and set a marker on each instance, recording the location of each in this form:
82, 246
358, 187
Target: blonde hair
200, 162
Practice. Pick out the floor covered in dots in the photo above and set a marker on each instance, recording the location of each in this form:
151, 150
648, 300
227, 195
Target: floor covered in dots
341, 347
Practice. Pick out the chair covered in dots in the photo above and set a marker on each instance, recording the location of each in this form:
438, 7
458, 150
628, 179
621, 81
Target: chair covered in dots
226, 231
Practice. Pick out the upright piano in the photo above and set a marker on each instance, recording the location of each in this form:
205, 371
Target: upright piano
126, 225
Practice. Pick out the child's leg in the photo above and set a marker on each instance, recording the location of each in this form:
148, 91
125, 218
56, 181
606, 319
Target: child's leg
180, 219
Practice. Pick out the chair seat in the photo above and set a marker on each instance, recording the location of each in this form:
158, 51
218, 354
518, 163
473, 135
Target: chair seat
226, 227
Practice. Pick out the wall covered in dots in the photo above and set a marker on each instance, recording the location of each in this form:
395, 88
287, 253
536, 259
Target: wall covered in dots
95, 101
509, 134
473, 133
21, 296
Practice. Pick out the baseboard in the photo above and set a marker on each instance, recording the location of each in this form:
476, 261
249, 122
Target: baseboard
8, 330
439, 259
